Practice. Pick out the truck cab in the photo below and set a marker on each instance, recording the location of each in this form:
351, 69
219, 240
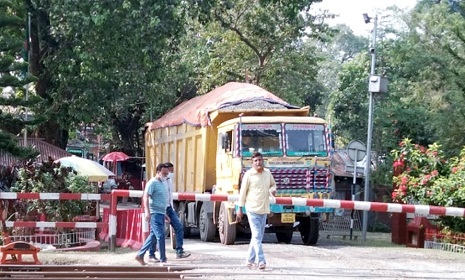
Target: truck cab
296, 150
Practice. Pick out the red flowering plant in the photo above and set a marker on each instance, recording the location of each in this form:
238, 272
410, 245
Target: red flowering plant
424, 176
419, 168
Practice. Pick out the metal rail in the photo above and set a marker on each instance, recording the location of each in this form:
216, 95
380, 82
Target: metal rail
88, 271
203, 272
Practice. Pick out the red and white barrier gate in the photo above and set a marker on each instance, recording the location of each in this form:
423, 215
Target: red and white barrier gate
55, 196
326, 203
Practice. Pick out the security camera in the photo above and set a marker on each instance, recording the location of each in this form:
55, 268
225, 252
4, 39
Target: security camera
372, 50
366, 18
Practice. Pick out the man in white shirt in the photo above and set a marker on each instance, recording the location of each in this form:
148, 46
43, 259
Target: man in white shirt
174, 219
257, 186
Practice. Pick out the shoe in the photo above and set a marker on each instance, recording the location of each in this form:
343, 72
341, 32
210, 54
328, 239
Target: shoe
162, 263
140, 260
262, 266
250, 265
182, 255
153, 259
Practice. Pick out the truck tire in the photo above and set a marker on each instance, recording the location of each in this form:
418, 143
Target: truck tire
309, 229
206, 226
284, 234
227, 231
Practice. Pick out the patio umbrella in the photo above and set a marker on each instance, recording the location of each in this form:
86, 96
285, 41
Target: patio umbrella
115, 156
88, 168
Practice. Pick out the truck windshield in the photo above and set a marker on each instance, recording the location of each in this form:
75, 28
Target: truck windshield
305, 140
263, 138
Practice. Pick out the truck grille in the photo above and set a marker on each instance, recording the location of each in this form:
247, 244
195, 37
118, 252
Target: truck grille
301, 181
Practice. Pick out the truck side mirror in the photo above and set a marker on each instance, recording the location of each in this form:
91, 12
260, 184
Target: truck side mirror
223, 141
225, 144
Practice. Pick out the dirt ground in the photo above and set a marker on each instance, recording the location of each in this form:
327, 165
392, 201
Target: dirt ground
333, 258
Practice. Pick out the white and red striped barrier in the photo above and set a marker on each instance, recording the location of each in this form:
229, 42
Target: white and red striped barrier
297, 201
325, 203
55, 196
31, 224
333, 203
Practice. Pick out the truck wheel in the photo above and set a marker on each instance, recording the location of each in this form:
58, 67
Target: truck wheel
309, 230
227, 231
285, 234
206, 226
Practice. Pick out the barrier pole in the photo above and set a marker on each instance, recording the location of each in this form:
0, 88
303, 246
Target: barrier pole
325, 203
112, 221
112, 225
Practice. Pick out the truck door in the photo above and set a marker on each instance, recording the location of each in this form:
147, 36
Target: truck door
224, 171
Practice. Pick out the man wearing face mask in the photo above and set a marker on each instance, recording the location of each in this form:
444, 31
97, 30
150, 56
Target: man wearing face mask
174, 219
164, 172
154, 206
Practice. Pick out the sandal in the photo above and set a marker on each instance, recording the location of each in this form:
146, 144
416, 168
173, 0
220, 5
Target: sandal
262, 266
140, 260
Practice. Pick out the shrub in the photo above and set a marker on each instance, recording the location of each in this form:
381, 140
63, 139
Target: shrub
426, 177
51, 177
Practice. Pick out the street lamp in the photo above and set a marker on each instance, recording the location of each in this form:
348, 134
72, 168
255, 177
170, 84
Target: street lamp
370, 125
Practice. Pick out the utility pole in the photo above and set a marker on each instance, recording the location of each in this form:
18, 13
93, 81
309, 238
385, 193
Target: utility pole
370, 126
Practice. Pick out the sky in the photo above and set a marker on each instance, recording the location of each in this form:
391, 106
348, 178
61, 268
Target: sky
351, 11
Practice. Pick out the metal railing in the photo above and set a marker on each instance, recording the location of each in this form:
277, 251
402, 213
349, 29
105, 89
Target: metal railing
58, 240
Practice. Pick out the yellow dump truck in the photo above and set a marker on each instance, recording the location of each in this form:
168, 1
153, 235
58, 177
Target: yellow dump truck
210, 140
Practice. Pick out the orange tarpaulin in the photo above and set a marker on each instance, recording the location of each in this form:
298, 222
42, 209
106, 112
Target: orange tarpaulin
196, 110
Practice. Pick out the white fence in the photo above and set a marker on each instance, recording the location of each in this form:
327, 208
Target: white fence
58, 240
444, 246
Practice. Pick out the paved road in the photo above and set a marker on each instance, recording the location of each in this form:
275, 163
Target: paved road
331, 258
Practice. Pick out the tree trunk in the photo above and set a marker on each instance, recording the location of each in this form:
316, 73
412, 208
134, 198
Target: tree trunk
51, 133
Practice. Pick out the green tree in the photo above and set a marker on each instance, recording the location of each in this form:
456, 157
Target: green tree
12, 81
100, 62
259, 42
437, 32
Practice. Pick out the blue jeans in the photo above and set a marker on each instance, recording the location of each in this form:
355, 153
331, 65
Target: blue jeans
153, 249
157, 230
257, 224
178, 229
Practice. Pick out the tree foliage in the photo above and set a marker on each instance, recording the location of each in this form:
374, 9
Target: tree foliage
12, 80
260, 42
423, 62
104, 58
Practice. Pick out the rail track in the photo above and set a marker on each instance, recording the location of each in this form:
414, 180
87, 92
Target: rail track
197, 272
90, 272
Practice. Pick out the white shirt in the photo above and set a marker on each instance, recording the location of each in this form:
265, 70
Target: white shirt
169, 188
